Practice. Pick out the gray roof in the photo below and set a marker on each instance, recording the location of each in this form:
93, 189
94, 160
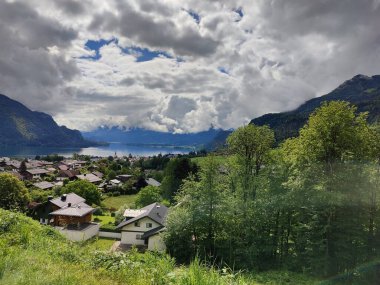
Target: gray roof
72, 198
78, 210
153, 232
155, 211
89, 177
153, 182
44, 185
37, 171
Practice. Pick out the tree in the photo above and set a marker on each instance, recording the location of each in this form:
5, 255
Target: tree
84, 189
328, 174
176, 170
251, 145
23, 167
148, 195
13, 193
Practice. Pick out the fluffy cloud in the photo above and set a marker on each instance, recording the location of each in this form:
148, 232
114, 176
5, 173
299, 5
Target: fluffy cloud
181, 66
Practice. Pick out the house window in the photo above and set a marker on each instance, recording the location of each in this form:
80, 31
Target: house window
149, 225
139, 236
137, 224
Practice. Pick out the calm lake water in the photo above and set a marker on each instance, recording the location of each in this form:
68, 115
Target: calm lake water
119, 148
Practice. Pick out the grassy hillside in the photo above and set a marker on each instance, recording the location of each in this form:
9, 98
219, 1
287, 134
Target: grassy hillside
35, 254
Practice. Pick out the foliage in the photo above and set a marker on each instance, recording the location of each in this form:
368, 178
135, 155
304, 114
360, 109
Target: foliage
148, 195
84, 189
176, 170
13, 193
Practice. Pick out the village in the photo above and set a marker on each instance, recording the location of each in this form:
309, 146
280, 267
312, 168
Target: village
117, 179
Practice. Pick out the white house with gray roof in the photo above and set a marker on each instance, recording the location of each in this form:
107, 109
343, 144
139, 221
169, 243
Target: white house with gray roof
143, 227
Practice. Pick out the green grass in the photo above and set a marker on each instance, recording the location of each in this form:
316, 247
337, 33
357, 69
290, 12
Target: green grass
99, 244
31, 254
118, 201
105, 220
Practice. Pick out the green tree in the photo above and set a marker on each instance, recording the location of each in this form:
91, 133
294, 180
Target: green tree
13, 193
84, 189
148, 195
251, 145
176, 170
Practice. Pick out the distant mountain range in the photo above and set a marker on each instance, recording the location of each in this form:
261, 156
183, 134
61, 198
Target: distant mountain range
21, 126
361, 90
148, 137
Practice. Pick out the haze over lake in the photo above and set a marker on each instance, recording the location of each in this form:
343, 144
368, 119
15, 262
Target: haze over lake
104, 151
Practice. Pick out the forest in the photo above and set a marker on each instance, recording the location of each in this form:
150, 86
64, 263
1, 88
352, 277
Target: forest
309, 205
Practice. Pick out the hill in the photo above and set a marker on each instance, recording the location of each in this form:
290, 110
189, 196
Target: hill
21, 126
361, 90
148, 137
38, 255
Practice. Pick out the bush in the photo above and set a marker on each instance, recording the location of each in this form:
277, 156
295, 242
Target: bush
98, 212
113, 214
116, 193
97, 220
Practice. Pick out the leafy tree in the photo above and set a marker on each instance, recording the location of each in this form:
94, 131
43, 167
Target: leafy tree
176, 170
84, 189
251, 145
111, 175
13, 193
148, 195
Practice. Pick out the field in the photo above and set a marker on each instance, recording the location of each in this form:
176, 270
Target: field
118, 201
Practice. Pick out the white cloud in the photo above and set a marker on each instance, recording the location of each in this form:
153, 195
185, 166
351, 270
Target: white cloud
277, 55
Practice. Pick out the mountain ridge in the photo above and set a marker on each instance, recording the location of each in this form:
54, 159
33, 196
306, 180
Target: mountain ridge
150, 137
22, 126
361, 90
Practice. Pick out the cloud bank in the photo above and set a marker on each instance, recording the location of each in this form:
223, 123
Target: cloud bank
181, 66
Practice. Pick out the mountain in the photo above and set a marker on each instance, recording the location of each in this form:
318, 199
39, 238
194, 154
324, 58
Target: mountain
148, 137
21, 126
361, 90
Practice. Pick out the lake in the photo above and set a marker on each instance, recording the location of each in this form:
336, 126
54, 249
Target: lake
104, 151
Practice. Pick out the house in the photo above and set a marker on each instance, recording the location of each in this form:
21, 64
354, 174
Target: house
72, 217
153, 182
99, 174
90, 178
44, 185
124, 177
35, 173
142, 227
67, 174
115, 182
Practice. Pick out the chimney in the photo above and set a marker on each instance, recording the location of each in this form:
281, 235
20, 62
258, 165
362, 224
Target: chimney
50, 198
69, 205
63, 197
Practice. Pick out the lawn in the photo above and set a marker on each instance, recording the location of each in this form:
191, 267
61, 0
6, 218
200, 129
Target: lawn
99, 244
105, 220
118, 201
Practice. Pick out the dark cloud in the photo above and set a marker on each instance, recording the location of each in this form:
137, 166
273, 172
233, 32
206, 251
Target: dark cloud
160, 33
71, 7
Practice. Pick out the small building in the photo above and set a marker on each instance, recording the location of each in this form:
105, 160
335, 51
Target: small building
90, 178
98, 174
35, 173
124, 177
67, 174
72, 217
142, 227
44, 185
115, 182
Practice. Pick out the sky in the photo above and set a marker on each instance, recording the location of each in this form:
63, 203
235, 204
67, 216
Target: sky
181, 66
